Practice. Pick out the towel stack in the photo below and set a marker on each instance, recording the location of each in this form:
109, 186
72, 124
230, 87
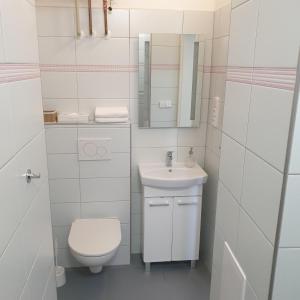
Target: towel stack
73, 117
111, 114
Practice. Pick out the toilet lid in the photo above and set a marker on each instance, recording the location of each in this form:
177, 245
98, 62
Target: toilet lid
95, 237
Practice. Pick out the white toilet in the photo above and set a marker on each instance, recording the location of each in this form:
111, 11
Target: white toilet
93, 242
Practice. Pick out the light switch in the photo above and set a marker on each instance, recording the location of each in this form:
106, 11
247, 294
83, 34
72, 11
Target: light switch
165, 104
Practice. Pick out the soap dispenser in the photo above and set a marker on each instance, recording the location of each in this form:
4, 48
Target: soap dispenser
191, 160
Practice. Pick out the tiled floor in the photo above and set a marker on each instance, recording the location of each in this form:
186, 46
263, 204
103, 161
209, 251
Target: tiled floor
174, 281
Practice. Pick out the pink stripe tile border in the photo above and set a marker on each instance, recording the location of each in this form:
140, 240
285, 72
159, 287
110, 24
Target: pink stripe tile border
276, 77
10, 72
88, 68
18, 78
280, 78
104, 68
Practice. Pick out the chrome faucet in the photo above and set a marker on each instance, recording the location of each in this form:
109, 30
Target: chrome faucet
169, 159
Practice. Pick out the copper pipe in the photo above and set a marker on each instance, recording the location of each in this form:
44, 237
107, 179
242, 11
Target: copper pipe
105, 7
90, 17
77, 19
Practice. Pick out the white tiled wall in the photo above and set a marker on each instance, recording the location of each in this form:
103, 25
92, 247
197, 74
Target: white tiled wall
88, 189
213, 137
286, 285
82, 91
287, 270
244, 37
26, 249
271, 143
260, 179
253, 150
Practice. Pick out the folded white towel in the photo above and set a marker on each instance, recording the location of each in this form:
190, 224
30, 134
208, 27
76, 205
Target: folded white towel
111, 112
83, 118
72, 118
111, 120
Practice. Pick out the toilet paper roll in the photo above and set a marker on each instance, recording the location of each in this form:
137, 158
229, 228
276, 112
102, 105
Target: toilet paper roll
60, 276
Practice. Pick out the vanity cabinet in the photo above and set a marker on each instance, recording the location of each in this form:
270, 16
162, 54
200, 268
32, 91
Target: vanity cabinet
171, 224
186, 228
158, 229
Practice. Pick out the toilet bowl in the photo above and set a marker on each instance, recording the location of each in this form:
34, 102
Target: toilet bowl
94, 242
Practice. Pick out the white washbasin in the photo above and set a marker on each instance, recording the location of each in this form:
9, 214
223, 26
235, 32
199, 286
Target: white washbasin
179, 176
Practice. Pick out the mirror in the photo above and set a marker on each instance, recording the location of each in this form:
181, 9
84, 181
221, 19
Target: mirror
170, 80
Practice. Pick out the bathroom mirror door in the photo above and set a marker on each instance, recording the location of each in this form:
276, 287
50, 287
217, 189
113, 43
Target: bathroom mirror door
170, 80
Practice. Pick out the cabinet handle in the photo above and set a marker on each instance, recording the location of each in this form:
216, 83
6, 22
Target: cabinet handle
159, 204
180, 202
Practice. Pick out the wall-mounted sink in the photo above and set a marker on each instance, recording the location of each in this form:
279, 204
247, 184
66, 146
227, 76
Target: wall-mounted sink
178, 176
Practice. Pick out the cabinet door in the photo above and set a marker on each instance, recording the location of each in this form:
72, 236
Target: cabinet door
157, 229
186, 228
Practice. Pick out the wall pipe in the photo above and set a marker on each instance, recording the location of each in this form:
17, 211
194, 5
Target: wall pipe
78, 29
105, 8
90, 17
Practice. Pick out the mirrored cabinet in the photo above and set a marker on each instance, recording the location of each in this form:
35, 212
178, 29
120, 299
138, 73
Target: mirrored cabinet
171, 68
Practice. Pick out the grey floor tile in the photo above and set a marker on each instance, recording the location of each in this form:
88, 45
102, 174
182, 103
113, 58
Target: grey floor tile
187, 284
174, 281
135, 285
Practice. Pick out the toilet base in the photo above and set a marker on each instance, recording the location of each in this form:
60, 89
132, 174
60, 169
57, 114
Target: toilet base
96, 269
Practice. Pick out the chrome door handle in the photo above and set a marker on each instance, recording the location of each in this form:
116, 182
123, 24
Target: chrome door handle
29, 175
159, 204
180, 202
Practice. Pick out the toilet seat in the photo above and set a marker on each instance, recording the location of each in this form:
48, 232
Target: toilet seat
95, 237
